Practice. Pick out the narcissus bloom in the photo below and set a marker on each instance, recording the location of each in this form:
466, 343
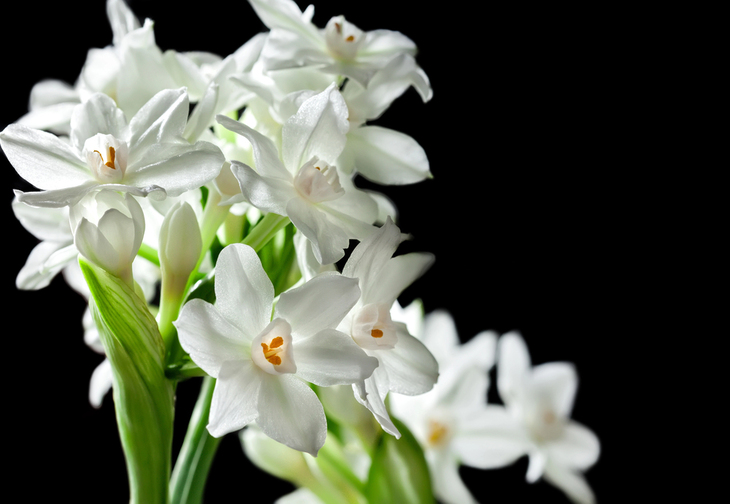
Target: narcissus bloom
302, 181
262, 363
406, 365
539, 400
147, 154
453, 421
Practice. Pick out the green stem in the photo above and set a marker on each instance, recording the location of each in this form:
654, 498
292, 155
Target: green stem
196, 455
265, 230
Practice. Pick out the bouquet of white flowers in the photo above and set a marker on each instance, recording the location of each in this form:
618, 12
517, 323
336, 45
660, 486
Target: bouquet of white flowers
221, 219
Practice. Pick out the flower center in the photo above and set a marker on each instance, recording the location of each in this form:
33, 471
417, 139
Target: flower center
318, 181
437, 434
545, 425
106, 157
272, 349
343, 39
373, 329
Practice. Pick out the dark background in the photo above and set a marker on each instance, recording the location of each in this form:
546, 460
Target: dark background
532, 214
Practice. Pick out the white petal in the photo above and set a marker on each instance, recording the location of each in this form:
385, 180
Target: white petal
371, 393
35, 274
42, 158
572, 483
447, 484
399, 273
162, 119
265, 193
101, 383
177, 168
209, 338
371, 255
386, 156
554, 384
411, 368
513, 366
332, 358
234, 402
328, 240
578, 447
244, 293
489, 437
318, 128
321, 303
97, 114
57, 198
290, 413
265, 153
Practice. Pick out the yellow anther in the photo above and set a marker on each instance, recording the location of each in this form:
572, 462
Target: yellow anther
271, 351
376, 333
338, 27
350, 38
109, 163
436, 433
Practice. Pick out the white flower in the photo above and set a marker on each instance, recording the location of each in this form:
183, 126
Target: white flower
405, 364
144, 155
453, 422
303, 182
262, 363
108, 228
540, 400
341, 48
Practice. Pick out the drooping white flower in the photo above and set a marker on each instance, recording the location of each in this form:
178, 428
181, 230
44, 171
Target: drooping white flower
453, 421
147, 154
539, 400
108, 228
303, 182
341, 48
405, 365
262, 363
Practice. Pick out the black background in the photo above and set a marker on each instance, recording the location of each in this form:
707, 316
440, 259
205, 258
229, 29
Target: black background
528, 215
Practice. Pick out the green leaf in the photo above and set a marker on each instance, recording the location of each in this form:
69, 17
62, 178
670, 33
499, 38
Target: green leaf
143, 397
399, 472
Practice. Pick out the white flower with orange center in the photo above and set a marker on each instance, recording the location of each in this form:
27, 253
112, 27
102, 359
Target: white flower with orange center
144, 155
263, 363
405, 365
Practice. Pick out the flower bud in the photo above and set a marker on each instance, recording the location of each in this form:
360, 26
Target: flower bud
108, 228
180, 242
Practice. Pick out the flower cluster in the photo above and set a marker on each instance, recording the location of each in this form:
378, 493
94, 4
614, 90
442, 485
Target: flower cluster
207, 208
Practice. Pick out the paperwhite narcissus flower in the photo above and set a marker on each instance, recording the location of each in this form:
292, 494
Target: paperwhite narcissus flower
108, 228
453, 422
405, 364
262, 363
341, 48
539, 400
144, 155
303, 182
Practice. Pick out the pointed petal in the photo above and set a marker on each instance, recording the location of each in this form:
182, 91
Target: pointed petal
386, 156
290, 413
234, 402
97, 114
57, 198
489, 437
321, 303
371, 255
368, 393
244, 293
332, 358
162, 119
267, 194
572, 483
43, 159
399, 273
411, 368
578, 447
328, 240
209, 338
448, 486
319, 128
34, 274
513, 366
265, 153
555, 384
